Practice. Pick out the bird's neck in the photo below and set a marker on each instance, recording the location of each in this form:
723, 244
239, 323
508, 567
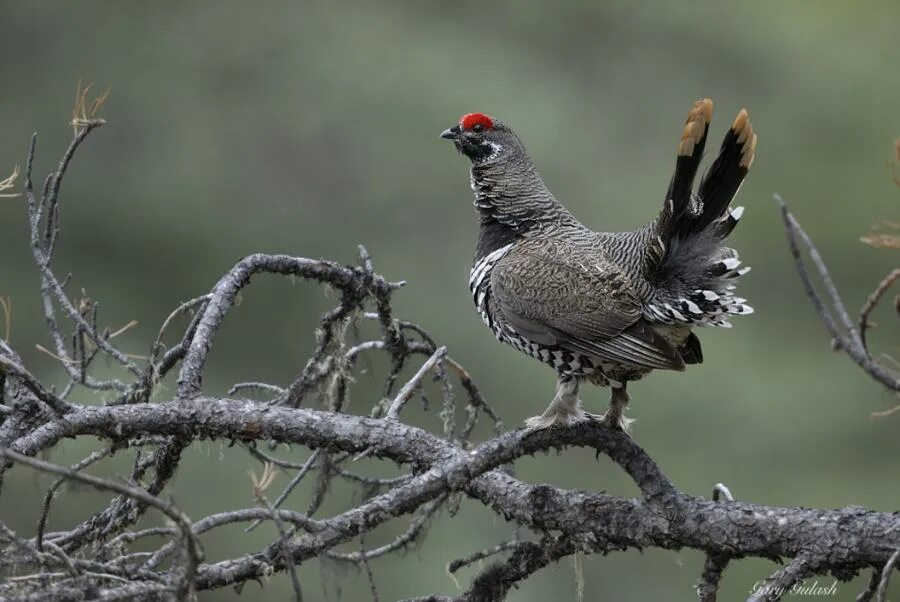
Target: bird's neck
512, 202
493, 235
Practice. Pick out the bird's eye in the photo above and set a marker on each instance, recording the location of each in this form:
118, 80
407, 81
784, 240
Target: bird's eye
477, 128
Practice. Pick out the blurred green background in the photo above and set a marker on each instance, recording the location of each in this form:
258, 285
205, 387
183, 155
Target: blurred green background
310, 127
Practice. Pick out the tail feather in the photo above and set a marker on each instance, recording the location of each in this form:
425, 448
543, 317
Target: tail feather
691, 351
690, 152
687, 262
725, 176
726, 223
705, 215
678, 197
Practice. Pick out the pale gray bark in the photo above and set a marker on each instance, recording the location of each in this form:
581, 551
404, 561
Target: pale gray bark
96, 556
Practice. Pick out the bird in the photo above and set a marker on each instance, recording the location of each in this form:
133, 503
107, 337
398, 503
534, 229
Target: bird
605, 308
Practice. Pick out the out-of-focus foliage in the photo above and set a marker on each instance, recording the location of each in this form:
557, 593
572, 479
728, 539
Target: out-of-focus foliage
309, 127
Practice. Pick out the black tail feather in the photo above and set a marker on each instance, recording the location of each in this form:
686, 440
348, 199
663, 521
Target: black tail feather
721, 183
691, 227
691, 351
677, 204
689, 265
724, 227
690, 152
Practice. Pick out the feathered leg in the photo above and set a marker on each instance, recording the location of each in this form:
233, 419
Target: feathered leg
565, 409
614, 417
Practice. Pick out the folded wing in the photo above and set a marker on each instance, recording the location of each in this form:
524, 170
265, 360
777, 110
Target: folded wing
580, 301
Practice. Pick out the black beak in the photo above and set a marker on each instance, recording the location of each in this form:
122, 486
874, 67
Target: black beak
450, 133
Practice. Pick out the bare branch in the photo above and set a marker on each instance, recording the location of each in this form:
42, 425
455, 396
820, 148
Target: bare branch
259, 487
868, 594
9, 182
845, 338
369, 575
408, 389
721, 490
494, 582
48, 497
455, 565
307, 466
780, 583
6, 306
872, 301
192, 547
881, 593
113, 556
715, 564
12, 368
223, 296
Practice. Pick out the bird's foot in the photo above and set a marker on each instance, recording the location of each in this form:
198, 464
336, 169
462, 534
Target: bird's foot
539, 423
559, 418
616, 420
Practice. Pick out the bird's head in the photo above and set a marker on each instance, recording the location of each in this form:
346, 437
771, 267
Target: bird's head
482, 138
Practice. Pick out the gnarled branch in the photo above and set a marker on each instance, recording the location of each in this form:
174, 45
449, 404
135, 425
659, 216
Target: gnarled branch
437, 469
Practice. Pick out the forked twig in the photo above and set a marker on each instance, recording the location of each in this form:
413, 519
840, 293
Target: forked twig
845, 337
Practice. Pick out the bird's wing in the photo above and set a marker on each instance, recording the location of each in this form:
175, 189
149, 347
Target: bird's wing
581, 301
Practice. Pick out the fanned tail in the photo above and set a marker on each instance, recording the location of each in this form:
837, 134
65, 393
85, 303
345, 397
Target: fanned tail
692, 271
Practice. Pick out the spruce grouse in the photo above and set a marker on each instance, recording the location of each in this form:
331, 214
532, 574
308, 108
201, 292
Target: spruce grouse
605, 307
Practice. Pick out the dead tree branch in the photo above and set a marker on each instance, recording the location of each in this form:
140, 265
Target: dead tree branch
107, 552
844, 332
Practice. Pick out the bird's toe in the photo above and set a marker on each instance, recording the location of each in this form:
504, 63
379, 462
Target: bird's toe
539, 423
568, 418
615, 420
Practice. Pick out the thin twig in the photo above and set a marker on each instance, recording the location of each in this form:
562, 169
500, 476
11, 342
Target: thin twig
51, 491
364, 560
264, 387
259, 487
407, 390
184, 307
868, 594
885, 580
6, 305
721, 490
9, 182
715, 564
11, 368
194, 553
307, 466
459, 563
848, 339
872, 301
415, 529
